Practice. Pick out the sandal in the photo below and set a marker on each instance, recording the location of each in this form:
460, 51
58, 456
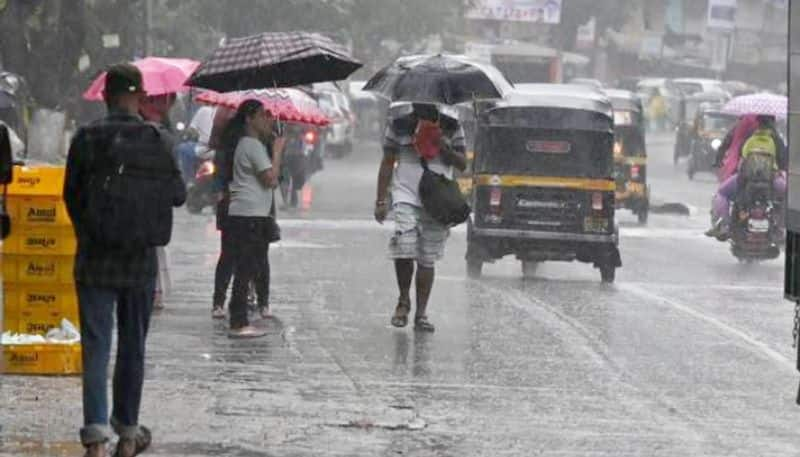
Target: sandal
218, 312
143, 440
400, 317
422, 324
265, 312
246, 333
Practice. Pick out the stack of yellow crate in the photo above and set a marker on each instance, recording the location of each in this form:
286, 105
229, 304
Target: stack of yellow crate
37, 265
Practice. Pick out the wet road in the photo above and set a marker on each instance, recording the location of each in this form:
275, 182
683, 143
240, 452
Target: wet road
687, 354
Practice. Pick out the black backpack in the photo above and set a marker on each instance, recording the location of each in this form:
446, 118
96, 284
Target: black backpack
131, 193
442, 198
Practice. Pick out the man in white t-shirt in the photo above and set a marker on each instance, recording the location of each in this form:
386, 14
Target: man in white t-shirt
417, 237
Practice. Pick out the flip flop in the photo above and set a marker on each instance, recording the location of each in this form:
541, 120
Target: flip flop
218, 312
143, 440
400, 317
422, 324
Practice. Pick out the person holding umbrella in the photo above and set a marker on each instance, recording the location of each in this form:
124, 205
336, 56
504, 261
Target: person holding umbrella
254, 178
417, 237
425, 139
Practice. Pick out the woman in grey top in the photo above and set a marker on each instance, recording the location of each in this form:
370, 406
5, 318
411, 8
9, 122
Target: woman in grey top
255, 177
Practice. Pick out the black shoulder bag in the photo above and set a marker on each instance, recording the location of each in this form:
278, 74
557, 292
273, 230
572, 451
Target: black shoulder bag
442, 198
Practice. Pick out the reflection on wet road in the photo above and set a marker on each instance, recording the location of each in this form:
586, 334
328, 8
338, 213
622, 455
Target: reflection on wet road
688, 354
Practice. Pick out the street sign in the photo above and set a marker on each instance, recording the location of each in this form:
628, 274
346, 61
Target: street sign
538, 11
722, 14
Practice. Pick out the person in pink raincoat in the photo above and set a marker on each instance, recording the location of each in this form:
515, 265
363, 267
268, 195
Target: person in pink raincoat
745, 128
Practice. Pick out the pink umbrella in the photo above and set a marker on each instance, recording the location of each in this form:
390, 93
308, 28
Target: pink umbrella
161, 75
763, 103
289, 105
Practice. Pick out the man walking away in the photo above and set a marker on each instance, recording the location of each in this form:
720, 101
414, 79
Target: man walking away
113, 164
417, 236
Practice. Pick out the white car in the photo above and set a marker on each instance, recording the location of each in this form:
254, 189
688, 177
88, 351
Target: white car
691, 86
340, 134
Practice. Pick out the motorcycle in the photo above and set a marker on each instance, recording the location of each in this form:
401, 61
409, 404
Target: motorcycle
201, 193
756, 223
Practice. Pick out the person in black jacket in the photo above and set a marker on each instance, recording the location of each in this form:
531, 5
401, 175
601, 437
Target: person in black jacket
105, 277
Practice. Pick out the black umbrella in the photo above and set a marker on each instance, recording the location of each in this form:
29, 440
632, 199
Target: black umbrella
447, 79
274, 60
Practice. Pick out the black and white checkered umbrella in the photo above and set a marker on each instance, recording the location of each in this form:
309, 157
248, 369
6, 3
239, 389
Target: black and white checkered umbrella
276, 59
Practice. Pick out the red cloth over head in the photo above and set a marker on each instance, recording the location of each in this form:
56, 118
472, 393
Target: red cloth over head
745, 127
427, 139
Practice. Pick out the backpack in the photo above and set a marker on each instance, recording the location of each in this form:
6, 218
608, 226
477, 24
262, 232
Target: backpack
758, 157
442, 198
131, 193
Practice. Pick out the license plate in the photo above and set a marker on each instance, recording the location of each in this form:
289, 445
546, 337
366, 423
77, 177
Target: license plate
595, 224
759, 225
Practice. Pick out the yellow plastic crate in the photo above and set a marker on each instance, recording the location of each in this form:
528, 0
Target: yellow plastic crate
49, 269
37, 211
36, 308
10, 325
32, 240
42, 359
42, 180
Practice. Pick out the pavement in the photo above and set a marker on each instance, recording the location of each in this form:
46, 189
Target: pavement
687, 354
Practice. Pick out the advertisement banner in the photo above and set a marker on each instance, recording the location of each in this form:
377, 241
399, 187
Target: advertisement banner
538, 11
722, 14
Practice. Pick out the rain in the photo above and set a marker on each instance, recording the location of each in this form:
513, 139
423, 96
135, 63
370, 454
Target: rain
417, 228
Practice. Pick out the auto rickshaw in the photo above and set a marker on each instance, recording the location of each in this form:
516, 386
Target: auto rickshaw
685, 129
543, 188
630, 154
710, 127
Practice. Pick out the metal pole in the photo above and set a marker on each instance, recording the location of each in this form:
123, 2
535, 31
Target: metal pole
148, 40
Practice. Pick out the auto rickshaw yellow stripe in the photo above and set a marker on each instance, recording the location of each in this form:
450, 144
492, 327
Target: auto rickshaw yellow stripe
540, 181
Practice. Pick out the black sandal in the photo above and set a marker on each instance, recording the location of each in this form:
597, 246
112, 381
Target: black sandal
143, 440
400, 317
422, 324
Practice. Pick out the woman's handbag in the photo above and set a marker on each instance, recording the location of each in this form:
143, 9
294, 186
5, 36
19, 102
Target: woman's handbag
273, 230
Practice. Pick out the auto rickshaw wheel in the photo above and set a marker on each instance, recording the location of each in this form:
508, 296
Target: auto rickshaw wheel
474, 268
529, 268
608, 273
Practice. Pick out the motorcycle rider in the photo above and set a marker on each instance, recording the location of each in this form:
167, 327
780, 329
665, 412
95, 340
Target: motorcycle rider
766, 141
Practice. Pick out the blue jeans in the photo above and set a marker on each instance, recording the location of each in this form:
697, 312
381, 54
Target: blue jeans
134, 306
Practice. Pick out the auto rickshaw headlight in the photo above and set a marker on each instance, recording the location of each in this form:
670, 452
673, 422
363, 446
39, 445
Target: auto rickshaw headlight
716, 143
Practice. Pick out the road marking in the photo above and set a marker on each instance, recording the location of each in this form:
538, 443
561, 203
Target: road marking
758, 346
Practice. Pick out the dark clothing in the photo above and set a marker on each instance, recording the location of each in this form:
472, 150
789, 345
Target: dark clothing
134, 306
226, 263
250, 251
97, 265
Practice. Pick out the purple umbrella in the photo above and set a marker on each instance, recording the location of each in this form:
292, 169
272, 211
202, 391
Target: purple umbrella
763, 103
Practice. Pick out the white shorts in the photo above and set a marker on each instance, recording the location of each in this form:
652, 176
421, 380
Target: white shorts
417, 236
